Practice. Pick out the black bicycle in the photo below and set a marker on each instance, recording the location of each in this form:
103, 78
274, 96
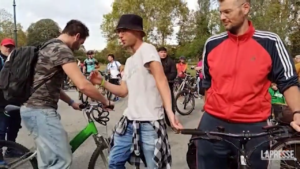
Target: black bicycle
281, 133
185, 96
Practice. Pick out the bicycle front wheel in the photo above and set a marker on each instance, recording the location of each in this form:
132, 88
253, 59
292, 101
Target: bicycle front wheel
16, 156
288, 144
95, 162
183, 99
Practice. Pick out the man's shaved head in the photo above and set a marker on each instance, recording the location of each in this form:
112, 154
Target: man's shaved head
239, 1
234, 13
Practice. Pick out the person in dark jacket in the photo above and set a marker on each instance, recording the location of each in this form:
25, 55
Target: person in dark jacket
9, 126
171, 72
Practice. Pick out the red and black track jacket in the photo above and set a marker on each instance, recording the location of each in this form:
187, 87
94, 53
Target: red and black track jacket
237, 73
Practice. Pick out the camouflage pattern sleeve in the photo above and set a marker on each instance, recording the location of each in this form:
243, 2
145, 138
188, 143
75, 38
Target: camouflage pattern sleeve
62, 56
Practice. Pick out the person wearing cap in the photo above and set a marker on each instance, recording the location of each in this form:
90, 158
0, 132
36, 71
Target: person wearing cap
90, 63
181, 67
9, 126
7, 45
141, 132
170, 71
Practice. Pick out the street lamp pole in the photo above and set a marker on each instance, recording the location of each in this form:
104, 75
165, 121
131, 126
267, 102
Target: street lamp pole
15, 23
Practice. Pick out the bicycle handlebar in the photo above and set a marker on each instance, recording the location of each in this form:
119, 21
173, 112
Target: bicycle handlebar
86, 105
217, 135
102, 116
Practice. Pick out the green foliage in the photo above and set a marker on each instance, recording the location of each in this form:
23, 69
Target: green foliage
159, 19
7, 28
113, 47
295, 41
42, 31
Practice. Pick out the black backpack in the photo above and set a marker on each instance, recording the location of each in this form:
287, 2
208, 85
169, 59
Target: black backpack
18, 71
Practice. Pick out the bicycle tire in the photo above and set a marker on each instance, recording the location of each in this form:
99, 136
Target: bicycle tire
283, 142
20, 148
176, 105
98, 152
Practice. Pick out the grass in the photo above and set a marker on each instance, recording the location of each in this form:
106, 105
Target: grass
102, 67
192, 71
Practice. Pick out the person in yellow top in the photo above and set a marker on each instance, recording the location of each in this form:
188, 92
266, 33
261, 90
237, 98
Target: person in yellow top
297, 66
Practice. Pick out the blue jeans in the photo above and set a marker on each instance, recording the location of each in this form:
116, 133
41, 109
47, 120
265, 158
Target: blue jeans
53, 149
214, 155
120, 152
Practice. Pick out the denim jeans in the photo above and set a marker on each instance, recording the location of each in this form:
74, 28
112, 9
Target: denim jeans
198, 85
214, 155
53, 149
120, 152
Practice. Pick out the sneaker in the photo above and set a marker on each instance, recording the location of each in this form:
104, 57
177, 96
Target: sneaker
13, 154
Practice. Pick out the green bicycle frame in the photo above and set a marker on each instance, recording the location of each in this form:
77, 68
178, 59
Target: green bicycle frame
84, 134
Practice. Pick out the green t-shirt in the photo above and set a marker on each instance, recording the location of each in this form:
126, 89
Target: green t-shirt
277, 97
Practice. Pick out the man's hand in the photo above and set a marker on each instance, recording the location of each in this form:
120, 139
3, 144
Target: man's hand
109, 105
76, 106
296, 122
95, 77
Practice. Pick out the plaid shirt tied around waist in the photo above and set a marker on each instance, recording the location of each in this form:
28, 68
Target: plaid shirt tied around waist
162, 152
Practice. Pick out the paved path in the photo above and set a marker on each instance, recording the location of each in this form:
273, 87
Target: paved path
75, 121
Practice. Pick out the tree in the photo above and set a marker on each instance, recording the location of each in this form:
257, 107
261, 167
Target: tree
159, 17
295, 43
278, 16
113, 47
81, 53
42, 31
7, 27
194, 32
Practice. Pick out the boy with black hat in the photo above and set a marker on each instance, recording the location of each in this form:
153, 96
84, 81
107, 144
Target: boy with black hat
141, 132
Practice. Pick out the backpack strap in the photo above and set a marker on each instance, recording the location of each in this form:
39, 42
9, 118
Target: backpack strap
49, 75
117, 65
44, 80
48, 43
2, 62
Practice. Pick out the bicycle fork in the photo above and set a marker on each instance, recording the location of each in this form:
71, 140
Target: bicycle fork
103, 144
242, 158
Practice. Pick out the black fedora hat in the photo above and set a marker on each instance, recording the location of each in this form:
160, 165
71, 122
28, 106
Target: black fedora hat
131, 22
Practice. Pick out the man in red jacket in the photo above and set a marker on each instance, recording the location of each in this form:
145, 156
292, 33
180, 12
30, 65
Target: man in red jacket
238, 68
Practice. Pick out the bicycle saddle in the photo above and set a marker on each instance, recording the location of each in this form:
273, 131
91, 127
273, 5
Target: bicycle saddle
9, 109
